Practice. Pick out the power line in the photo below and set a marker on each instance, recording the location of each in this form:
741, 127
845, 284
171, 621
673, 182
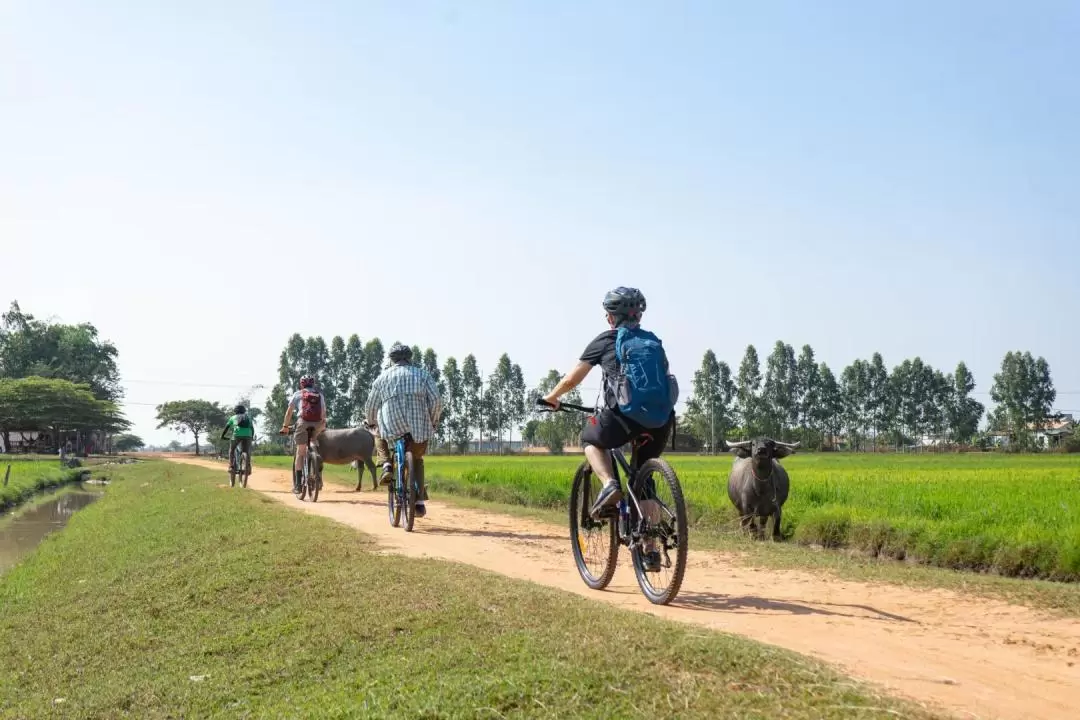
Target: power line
243, 386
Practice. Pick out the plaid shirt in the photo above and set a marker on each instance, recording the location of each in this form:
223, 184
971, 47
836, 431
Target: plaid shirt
406, 400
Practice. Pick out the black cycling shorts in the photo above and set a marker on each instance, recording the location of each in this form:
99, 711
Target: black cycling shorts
608, 431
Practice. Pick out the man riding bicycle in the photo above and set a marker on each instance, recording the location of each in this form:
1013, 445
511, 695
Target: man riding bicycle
403, 400
309, 407
635, 367
243, 432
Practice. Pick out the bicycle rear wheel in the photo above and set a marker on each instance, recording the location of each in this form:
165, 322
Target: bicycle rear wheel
410, 492
245, 469
594, 542
665, 531
232, 470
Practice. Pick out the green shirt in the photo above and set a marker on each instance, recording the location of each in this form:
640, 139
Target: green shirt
241, 432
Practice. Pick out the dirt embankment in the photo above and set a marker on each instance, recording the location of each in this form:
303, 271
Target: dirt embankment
970, 656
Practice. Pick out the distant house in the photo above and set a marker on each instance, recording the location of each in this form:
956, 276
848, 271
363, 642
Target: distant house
1050, 435
23, 440
81, 443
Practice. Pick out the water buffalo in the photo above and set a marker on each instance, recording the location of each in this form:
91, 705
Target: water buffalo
758, 484
349, 445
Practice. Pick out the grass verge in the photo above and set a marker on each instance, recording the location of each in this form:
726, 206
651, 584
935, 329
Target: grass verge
31, 477
173, 597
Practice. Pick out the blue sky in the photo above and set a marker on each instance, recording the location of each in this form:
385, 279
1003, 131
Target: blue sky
893, 177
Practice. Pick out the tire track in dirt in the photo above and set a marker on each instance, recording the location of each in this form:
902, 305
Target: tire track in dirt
972, 657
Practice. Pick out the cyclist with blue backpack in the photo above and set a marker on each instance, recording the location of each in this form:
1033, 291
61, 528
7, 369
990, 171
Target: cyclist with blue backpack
639, 392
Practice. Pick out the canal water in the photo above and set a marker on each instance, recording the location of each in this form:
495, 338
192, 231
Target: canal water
20, 534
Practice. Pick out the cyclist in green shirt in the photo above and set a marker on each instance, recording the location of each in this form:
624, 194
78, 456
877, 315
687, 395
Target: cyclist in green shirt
243, 428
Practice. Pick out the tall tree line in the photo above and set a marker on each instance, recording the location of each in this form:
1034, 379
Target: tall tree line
474, 406
799, 398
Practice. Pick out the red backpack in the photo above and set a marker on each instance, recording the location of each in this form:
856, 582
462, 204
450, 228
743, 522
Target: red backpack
310, 405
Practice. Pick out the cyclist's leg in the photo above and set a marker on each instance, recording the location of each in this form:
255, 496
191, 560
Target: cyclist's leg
300, 441
382, 457
245, 446
418, 449
650, 508
602, 433
232, 454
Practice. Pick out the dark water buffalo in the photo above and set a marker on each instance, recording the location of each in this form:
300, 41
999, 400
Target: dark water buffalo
758, 484
349, 445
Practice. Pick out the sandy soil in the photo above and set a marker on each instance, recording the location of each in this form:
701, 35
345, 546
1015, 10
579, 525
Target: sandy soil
971, 657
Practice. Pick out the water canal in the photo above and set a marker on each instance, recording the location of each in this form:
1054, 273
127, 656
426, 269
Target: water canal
23, 529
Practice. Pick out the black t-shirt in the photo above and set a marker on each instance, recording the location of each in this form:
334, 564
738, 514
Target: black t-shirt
601, 351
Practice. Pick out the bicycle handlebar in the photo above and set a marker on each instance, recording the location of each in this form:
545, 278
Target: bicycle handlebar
563, 407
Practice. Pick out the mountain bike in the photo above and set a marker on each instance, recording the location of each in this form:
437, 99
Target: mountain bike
403, 491
240, 465
310, 477
644, 521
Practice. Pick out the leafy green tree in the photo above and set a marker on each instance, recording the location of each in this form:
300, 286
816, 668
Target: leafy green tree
472, 395
879, 403
127, 442
194, 416
829, 413
30, 347
291, 367
456, 422
54, 405
778, 394
529, 431
339, 407
374, 354
355, 363
748, 406
963, 412
500, 407
515, 399
807, 390
556, 430
855, 391
905, 386
709, 410
1025, 395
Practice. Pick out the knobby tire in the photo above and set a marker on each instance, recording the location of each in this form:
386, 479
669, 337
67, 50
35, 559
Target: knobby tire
582, 492
659, 466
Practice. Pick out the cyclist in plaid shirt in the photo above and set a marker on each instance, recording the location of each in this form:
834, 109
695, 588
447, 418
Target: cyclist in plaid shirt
404, 399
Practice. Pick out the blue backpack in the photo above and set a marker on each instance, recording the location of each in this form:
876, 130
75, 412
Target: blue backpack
644, 390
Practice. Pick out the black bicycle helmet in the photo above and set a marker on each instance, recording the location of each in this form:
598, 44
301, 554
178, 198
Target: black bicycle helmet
400, 353
239, 409
626, 304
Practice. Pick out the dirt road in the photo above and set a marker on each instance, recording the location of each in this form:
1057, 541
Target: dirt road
972, 657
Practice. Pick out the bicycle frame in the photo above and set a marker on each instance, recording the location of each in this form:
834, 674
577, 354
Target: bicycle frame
629, 514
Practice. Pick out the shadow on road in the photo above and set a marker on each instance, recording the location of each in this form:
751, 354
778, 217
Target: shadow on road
512, 535
730, 603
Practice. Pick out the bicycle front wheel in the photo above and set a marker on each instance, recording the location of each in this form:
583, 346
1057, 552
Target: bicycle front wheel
594, 542
245, 469
313, 479
659, 555
410, 492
